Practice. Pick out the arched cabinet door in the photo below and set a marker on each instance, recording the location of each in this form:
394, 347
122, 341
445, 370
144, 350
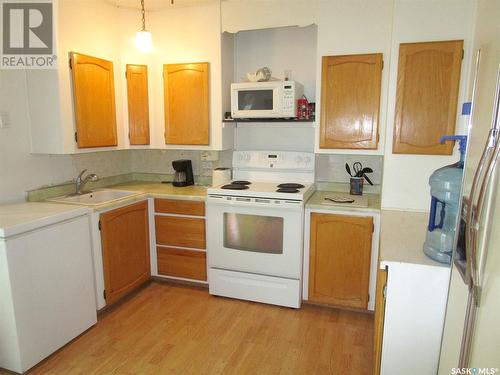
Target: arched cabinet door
350, 101
186, 104
426, 96
94, 101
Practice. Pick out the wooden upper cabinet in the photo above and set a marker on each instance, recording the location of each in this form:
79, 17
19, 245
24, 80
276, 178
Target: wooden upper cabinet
94, 98
350, 101
340, 255
186, 104
125, 248
426, 97
138, 104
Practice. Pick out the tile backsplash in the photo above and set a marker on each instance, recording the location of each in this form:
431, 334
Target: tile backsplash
331, 168
160, 161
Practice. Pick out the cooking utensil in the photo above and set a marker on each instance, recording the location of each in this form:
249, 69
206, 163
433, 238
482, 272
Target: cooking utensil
348, 169
367, 170
358, 168
367, 179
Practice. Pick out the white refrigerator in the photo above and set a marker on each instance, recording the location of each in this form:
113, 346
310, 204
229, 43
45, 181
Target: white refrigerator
471, 338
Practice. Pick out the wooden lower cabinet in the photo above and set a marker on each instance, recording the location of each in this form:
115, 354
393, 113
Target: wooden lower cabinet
180, 239
188, 264
180, 231
125, 247
340, 254
379, 319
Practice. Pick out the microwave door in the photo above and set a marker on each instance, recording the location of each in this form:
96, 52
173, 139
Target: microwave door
256, 102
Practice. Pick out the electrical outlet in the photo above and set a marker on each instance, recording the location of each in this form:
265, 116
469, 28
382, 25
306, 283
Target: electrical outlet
210, 155
4, 120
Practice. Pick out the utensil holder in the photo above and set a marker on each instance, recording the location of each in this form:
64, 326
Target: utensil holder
356, 186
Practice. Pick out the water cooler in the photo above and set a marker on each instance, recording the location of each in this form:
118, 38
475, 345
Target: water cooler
445, 185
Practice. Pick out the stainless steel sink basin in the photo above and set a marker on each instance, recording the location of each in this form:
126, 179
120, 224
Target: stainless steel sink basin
96, 197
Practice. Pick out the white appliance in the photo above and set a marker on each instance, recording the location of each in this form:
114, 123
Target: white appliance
221, 176
255, 227
271, 99
46, 281
472, 331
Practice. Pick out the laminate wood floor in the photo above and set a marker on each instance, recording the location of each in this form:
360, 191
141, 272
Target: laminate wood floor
174, 329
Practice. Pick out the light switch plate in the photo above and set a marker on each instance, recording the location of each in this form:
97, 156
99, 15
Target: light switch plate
209, 155
4, 120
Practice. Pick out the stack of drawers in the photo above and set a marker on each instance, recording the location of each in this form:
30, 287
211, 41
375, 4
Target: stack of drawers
180, 239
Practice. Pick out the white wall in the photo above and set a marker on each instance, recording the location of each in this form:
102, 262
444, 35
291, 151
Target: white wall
289, 48
20, 170
405, 179
355, 27
180, 34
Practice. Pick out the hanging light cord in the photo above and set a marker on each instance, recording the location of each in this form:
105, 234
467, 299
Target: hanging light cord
143, 13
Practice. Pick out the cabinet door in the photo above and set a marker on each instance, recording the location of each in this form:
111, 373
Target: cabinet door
426, 97
125, 246
94, 98
186, 104
138, 104
340, 253
350, 101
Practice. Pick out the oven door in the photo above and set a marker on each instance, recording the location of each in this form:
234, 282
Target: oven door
255, 235
255, 101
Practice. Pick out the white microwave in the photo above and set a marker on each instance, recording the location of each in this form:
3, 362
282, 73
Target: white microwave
271, 99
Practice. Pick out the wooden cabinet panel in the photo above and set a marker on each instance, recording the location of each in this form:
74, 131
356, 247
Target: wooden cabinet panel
186, 104
181, 207
350, 101
94, 98
426, 96
125, 245
340, 253
379, 319
180, 231
188, 264
138, 104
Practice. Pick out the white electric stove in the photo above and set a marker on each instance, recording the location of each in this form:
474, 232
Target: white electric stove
255, 227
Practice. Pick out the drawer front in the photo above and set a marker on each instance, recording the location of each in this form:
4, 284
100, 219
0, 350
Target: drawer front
182, 263
181, 207
180, 231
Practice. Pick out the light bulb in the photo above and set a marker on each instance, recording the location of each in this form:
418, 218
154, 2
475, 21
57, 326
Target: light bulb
143, 41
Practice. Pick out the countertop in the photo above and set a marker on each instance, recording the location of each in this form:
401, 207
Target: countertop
18, 218
317, 202
160, 190
402, 236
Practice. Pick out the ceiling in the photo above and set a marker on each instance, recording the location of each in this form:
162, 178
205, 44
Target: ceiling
152, 5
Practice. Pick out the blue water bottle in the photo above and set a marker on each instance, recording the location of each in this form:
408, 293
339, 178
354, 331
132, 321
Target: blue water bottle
445, 186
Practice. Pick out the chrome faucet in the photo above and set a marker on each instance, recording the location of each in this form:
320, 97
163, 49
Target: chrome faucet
79, 182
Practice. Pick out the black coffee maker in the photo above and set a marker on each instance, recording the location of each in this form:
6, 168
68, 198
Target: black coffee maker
183, 173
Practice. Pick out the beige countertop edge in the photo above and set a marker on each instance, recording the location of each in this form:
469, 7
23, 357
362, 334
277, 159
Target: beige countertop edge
147, 190
402, 236
314, 203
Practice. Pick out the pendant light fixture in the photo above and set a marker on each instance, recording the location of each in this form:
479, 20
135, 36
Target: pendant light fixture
143, 41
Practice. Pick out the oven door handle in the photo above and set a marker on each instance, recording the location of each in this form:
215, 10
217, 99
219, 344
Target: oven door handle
256, 202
